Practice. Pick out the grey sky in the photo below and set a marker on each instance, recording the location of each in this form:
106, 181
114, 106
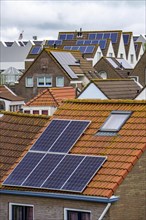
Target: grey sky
45, 18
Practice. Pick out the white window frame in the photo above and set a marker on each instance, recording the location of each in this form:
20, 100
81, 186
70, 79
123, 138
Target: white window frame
44, 78
135, 78
132, 58
103, 72
57, 85
76, 210
26, 82
18, 204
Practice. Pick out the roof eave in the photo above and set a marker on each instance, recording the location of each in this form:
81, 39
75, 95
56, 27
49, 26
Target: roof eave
61, 196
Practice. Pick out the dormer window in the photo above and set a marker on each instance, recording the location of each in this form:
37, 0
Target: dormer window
115, 120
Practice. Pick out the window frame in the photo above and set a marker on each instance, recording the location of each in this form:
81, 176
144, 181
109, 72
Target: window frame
26, 84
18, 204
75, 210
103, 72
128, 113
44, 81
57, 79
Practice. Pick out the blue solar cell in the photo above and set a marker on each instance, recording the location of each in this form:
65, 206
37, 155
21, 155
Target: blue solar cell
95, 42
102, 44
83, 174
70, 135
69, 36
106, 35
35, 50
87, 42
82, 49
99, 36
50, 135
89, 49
58, 42
23, 169
114, 37
126, 38
51, 42
62, 36
80, 42
63, 172
136, 46
75, 48
92, 36
43, 170
67, 47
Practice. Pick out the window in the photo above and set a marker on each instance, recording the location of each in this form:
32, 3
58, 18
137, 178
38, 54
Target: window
103, 74
110, 54
132, 58
121, 55
44, 81
29, 81
44, 112
20, 212
115, 121
36, 112
59, 81
75, 214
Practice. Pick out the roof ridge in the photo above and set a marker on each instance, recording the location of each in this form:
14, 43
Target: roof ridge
122, 101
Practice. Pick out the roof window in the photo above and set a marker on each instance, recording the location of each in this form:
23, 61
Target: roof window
115, 121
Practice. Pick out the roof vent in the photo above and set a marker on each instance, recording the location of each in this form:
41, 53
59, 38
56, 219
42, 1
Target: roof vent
128, 73
79, 34
35, 37
121, 66
77, 61
54, 46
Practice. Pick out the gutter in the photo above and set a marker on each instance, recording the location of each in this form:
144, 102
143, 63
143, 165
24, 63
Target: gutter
61, 196
105, 211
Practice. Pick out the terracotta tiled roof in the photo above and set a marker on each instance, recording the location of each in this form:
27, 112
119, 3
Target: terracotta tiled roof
122, 151
6, 93
17, 131
52, 97
118, 88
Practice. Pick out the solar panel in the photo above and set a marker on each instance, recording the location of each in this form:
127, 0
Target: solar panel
89, 49
102, 44
35, 50
106, 35
136, 46
69, 36
99, 36
43, 170
114, 37
87, 42
62, 36
52, 42
62, 172
126, 38
79, 42
67, 47
50, 135
83, 174
82, 49
23, 169
95, 42
92, 36
75, 48
70, 135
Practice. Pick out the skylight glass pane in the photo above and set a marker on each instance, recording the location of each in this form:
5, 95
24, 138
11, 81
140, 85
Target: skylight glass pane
115, 121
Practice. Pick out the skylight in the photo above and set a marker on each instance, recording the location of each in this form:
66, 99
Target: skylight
115, 121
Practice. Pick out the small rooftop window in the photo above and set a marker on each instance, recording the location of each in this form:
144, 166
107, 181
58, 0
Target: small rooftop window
115, 121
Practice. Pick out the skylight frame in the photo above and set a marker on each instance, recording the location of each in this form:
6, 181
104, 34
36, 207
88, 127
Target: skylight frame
127, 114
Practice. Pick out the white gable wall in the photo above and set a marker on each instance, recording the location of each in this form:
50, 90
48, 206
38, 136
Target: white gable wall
92, 92
110, 51
142, 95
121, 49
132, 52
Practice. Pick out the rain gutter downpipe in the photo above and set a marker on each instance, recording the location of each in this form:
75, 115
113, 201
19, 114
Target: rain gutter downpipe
105, 211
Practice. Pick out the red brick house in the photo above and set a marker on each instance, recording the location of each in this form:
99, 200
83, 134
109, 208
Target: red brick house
114, 130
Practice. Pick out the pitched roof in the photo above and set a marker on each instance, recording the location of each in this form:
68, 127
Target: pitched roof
122, 150
118, 88
6, 93
52, 97
17, 130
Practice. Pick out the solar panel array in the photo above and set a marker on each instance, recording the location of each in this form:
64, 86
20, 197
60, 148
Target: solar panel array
66, 36
52, 42
55, 171
102, 43
82, 49
36, 50
98, 36
49, 166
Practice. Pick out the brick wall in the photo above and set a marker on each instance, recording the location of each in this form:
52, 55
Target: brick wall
132, 192
49, 209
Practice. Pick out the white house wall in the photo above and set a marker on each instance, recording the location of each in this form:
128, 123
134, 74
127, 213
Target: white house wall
121, 49
142, 95
132, 51
50, 109
110, 51
92, 92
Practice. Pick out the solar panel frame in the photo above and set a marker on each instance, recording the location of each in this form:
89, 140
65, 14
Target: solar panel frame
72, 179
17, 172
73, 127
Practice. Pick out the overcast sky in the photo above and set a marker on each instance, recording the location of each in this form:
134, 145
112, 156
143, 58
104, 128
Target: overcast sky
45, 18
